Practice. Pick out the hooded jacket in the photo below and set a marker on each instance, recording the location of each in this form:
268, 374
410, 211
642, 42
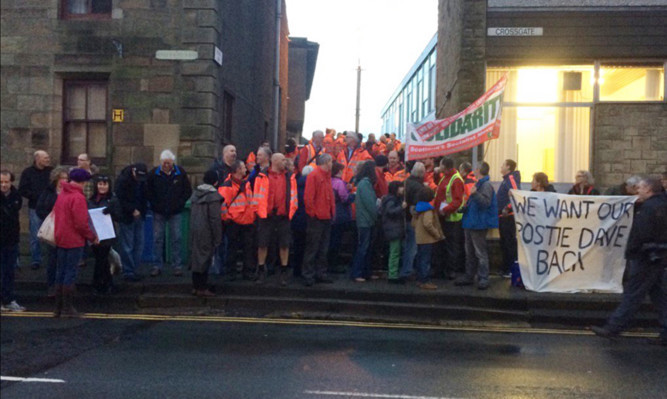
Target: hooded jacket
131, 195
366, 204
393, 217
72, 227
510, 181
10, 227
481, 211
205, 226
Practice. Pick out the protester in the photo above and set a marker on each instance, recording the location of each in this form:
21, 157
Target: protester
628, 187
583, 184
84, 162
380, 186
238, 214
481, 214
351, 155
430, 175
10, 231
168, 189
291, 150
413, 187
469, 179
102, 198
646, 252
427, 232
276, 197
449, 202
506, 227
34, 180
262, 166
394, 171
45, 203
72, 229
393, 224
205, 232
320, 206
541, 183
299, 223
252, 161
309, 153
341, 222
366, 208
222, 167
131, 195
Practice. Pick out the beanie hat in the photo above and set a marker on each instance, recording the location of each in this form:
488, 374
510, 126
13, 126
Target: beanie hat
79, 175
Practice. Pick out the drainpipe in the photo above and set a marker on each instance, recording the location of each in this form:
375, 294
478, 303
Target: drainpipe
276, 80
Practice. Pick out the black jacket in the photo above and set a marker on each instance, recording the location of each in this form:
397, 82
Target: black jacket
46, 202
33, 182
393, 220
648, 227
10, 227
222, 170
131, 195
168, 194
413, 188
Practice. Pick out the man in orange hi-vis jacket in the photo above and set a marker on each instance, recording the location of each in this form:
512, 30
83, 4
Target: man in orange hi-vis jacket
351, 155
395, 171
276, 198
309, 153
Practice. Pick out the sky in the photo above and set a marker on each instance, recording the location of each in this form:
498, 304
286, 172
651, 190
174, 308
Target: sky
384, 36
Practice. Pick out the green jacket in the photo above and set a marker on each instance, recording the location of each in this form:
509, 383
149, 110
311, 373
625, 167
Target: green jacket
366, 204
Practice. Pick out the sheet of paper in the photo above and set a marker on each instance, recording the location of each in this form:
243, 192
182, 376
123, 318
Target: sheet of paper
102, 224
443, 205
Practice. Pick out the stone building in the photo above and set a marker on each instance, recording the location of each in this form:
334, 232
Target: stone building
586, 87
302, 61
188, 75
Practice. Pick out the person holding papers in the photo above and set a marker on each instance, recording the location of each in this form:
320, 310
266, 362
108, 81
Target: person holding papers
101, 198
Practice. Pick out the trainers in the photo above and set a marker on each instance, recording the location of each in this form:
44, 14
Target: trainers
155, 272
427, 286
14, 307
506, 274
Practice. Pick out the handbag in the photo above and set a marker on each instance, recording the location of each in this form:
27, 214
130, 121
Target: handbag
46, 231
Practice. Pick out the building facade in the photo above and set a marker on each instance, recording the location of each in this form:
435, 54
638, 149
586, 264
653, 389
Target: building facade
586, 87
124, 80
302, 62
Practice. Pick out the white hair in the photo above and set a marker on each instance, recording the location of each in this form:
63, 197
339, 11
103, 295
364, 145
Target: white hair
418, 170
306, 170
167, 154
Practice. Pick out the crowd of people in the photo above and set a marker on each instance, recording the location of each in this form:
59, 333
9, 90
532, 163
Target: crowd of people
293, 214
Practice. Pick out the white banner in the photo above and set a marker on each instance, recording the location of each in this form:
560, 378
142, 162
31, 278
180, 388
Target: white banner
572, 243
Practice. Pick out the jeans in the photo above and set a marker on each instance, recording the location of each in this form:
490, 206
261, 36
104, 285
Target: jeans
8, 256
508, 244
159, 223
218, 265
318, 233
423, 262
35, 248
68, 262
361, 265
477, 256
409, 251
131, 238
394, 258
643, 278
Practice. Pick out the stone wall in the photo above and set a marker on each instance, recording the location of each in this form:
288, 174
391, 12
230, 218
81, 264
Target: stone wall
628, 139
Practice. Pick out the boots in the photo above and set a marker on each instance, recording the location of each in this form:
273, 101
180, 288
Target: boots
283, 276
58, 294
68, 298
261, 274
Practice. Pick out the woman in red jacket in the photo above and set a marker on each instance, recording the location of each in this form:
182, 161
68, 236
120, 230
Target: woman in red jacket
71, 232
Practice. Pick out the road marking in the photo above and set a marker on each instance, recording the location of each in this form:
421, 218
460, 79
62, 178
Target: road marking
327, 323
21, 379
371, 395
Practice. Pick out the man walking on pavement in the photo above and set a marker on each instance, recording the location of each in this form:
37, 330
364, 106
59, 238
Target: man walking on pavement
506, 227
448, 202
320, 209
168, 190
646, 253
34, 180
276, 196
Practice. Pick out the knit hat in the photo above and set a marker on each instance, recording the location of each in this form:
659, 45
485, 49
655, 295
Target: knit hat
79, 175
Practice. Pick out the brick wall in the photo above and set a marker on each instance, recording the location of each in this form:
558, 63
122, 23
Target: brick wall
628, 139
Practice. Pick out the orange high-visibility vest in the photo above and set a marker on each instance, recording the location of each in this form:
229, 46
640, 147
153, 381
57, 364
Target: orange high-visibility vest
251, 161
468, 184
261, 195
329, 141
239, 206
430, 180
399, 175
359, 155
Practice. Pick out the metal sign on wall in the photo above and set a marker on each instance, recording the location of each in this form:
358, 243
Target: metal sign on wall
117, 115
515, 31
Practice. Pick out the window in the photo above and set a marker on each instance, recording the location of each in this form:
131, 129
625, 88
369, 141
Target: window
86, 9
631, 83
85, 120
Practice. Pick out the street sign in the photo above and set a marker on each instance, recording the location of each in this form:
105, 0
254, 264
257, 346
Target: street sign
515, 31
179, 55
218, 56
117, 115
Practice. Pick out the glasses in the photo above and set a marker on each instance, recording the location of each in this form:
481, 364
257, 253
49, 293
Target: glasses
83, 160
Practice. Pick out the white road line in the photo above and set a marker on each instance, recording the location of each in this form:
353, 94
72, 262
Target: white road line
372, 395
21, 379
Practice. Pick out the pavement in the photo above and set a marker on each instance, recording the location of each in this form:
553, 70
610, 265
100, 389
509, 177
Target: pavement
373, 301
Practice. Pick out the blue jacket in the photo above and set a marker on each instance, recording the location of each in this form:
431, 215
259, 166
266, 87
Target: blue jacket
511, 180
482, 209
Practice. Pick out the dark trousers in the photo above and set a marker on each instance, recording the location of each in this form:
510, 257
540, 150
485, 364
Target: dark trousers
318, 233
298, 251
102, 274
361, 265
240, 237
200, 281
8, 256
643, 278
508, 243
454, 247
